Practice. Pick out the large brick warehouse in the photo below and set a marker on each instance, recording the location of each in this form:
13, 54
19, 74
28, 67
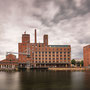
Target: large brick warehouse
42, 54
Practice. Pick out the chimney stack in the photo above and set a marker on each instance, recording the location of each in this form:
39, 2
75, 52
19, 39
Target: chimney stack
35, 37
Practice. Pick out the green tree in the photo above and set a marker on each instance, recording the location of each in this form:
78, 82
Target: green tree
73, 61
81, 63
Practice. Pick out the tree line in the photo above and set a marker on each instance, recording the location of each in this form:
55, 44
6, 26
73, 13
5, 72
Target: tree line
78, 63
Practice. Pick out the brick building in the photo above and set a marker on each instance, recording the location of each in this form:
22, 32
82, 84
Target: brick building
42, 54
9, 62
86, 55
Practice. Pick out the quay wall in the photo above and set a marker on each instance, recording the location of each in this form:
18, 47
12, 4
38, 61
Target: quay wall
71, 69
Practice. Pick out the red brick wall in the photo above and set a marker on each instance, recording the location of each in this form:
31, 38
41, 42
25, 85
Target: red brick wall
10, 57
86, 55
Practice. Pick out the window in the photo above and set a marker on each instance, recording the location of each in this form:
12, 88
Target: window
60, 55
53, 52
64, 52
57, 52
39, 44
64, 55
49, 52
64, 58
60, 52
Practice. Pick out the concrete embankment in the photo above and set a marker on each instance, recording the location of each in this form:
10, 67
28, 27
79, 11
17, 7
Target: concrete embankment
70, 69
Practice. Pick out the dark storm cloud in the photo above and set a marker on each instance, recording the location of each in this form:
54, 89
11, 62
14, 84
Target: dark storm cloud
69, 9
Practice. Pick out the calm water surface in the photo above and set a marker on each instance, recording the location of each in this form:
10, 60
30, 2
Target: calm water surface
45, 80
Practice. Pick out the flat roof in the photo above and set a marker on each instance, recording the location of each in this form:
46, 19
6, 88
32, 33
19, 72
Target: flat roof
59, 45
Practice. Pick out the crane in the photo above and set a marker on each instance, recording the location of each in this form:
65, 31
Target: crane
27, 53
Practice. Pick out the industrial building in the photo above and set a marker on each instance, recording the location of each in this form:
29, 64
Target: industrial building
40, 54
43, 54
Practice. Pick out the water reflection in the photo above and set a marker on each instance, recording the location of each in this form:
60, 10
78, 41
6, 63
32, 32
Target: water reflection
44, 80
77, 80
9, 81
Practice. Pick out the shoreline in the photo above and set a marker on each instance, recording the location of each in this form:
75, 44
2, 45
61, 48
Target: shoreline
52, 69
69, 69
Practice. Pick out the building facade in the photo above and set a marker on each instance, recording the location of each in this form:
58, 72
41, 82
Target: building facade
9, 63
43, 54
86, 55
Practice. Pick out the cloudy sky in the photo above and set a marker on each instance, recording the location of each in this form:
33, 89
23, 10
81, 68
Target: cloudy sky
65, 21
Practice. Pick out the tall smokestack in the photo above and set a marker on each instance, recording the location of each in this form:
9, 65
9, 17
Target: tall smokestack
35, 37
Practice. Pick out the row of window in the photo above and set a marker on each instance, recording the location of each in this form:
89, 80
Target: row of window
44, 48
49, 49
48, 62
51, 55
52, 58
54, 52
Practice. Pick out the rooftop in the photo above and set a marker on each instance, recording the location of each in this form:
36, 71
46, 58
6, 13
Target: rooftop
59, 45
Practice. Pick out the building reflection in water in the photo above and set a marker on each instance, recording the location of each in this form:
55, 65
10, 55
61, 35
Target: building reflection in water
44, 79
77, 80
9, 81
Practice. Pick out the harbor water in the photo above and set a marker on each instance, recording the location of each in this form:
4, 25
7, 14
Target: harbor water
44, 80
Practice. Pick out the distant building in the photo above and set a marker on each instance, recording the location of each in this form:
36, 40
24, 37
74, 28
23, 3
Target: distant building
9, 62
86, 55
42, 54
78, 59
